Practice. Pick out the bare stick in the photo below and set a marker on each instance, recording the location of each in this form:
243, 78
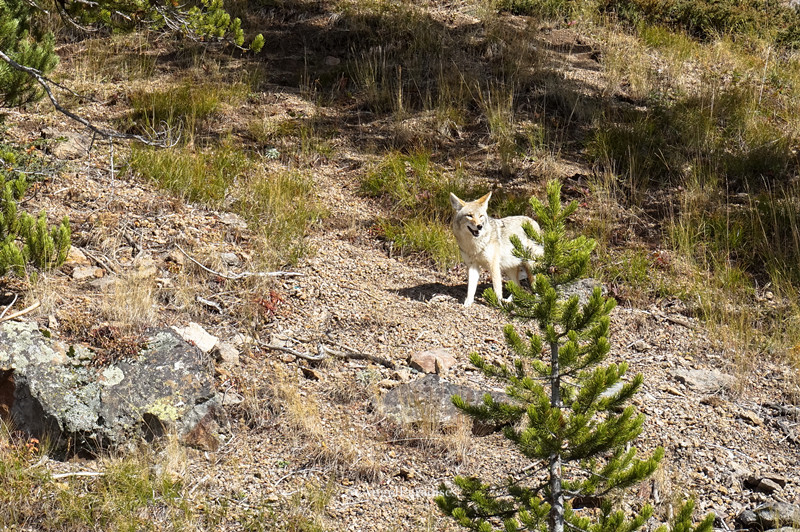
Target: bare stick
209, 303
79, 474
98, 261
243, 275
313, 358
45, 83
21, 312
9, 306
355, 355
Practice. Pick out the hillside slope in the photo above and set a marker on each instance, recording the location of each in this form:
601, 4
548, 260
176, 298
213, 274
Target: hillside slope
303, 445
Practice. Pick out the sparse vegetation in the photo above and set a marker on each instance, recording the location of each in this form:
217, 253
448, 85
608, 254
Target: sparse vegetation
120, 494
24, 239
674, 123
184, 108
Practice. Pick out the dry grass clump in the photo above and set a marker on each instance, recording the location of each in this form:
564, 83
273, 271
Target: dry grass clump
336, 445
140, 491
451, 439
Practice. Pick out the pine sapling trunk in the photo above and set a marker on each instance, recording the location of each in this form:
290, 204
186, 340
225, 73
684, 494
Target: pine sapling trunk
557, 493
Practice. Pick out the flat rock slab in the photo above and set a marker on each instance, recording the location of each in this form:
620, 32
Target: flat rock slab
705, 381
49, 390
427, 400
770, 516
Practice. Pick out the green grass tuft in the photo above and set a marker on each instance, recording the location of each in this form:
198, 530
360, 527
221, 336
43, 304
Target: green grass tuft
194, 175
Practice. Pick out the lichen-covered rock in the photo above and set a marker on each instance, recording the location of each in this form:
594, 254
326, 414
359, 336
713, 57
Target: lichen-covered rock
54, 394
428, 400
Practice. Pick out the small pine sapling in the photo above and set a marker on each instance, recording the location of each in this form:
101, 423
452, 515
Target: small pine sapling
25, 239
566, 412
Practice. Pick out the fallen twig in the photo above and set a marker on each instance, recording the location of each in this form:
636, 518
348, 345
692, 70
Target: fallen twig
21, 312
323, 350
8, 307
99, 261
355, 355
78, 474
680, 321
242, 275
209, 303
313, 358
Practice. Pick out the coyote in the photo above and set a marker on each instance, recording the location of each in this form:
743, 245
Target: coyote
485, 243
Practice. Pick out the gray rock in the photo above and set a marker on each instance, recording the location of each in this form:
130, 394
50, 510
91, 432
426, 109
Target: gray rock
230, 259
49, 393
427, 400
68, 144
771, 515
705, 381
583, 288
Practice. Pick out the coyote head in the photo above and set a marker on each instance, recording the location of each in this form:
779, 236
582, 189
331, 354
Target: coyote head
471, 214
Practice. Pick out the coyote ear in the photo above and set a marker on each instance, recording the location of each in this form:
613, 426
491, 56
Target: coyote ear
484, 199
455, 202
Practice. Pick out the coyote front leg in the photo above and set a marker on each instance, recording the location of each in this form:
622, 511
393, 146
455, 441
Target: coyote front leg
472, 283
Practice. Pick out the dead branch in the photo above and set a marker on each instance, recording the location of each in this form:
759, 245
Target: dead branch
21, 312
242, 275
355, 355
8, 307
163, 136
99, 262
312, 358
323, 350
209, 303
78, 474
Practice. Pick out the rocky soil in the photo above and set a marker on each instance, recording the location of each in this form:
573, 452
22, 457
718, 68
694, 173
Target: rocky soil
296, 431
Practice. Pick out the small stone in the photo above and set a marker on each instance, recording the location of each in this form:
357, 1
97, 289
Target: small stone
76, 257
81, 273
640, 346
332, 61
437, 361
195, 334
388, 384
231, 219
310, 373
240, 340
768, 486
145, 267
278, 340
104, 283
704, 381
229, 398
177, 257
750, 416
401, 375
227, 354
230, 259
204, 435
